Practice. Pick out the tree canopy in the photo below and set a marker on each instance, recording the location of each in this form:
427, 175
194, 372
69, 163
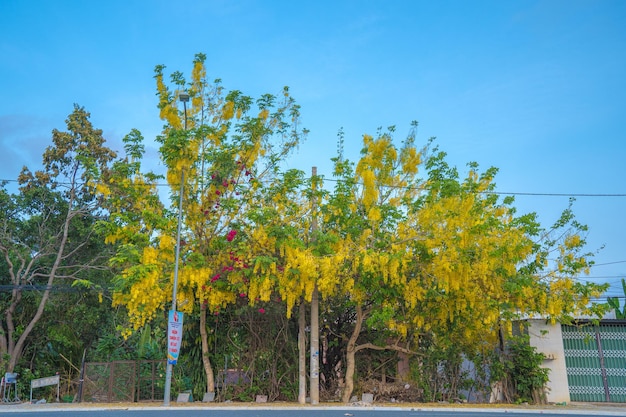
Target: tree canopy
405, 252
413, 249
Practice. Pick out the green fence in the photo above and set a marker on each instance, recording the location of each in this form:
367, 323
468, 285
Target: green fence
595, 357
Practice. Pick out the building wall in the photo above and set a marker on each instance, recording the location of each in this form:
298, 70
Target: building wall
548, 339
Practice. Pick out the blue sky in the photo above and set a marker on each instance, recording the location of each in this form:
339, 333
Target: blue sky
535, 88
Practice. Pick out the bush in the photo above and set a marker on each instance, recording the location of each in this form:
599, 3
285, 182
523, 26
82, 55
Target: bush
520, 372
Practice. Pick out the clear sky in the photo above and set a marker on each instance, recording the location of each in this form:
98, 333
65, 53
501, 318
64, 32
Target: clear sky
535, 88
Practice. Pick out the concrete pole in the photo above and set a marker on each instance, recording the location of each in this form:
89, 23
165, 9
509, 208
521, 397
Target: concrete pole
302, 353
315, 329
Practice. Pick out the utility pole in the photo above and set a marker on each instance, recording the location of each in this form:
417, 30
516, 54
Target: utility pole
302, 353
184, 98
315, 328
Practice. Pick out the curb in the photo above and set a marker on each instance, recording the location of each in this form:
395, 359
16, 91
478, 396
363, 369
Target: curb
575, 409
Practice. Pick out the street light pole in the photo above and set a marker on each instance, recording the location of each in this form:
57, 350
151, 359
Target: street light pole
184, 98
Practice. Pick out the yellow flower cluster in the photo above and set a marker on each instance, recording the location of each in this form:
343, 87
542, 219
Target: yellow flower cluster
411, 160
228, 111
168, 112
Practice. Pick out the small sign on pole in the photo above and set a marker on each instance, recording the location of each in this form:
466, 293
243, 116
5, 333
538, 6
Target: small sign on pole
174, 336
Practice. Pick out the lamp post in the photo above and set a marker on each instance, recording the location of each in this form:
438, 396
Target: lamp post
184, 98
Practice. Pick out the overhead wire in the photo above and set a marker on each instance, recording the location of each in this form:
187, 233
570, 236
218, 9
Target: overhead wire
505, 193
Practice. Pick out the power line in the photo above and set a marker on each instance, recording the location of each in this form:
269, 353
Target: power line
505, 193
610, 263
54, 288
603, 277
555, 194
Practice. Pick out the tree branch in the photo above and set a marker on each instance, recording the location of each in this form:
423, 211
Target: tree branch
386, 347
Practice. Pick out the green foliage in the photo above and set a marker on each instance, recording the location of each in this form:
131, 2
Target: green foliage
439, 371
614, 303
261, 347
519, 370
146, 344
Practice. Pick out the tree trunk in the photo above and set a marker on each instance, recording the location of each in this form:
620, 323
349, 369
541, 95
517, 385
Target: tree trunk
7, 341
206, 362
16, 353
351, 356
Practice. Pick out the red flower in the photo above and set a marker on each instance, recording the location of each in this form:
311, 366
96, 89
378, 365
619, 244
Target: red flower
231, 235
215, 277
261, 310
242, 295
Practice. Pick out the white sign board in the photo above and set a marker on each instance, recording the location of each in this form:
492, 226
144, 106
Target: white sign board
44, 382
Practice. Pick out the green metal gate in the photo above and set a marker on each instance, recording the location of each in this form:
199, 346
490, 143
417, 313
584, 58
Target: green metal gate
595, 357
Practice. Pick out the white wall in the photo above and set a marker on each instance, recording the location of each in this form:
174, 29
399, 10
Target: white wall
548, 339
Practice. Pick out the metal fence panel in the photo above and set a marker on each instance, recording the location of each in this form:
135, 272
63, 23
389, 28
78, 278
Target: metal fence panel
595, 357
613, 339
123, 381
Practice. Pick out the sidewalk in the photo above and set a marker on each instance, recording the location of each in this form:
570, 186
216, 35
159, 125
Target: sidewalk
600, 409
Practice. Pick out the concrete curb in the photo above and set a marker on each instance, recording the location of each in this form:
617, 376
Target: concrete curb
573, 409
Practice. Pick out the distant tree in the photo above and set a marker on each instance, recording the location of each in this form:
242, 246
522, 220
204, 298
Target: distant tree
46, 231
